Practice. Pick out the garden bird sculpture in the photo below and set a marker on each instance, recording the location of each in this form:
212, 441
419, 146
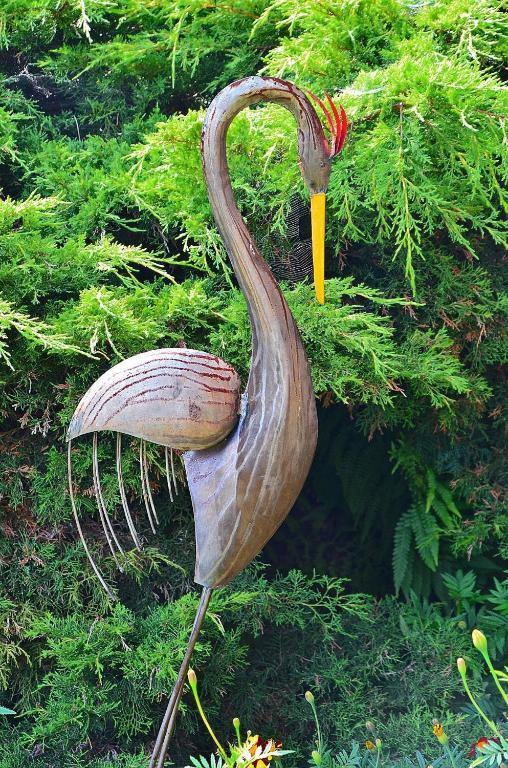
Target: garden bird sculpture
246, 456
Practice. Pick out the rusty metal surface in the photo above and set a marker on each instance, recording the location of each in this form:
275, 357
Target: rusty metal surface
244, 474
243, 489
180, 398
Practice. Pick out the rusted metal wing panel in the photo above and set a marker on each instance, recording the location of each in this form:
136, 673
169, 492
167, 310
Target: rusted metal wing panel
180, 398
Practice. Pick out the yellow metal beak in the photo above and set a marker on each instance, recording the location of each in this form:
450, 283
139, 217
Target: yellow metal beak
317, 213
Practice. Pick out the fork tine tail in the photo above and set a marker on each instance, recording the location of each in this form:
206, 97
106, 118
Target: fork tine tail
101, 505
149, 490
168, 476
123, 496
173, 472
145, 486
168, 723
78, 525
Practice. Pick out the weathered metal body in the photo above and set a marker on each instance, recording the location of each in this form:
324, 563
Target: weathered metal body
243, 489
246, 457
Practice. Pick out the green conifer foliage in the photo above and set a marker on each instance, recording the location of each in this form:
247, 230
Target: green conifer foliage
108, 248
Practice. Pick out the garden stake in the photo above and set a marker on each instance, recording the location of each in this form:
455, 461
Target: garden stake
247, 455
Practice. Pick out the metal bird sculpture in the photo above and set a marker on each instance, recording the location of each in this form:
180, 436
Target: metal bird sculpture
246, 456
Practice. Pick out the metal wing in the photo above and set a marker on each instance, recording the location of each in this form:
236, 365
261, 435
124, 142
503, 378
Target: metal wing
178, 398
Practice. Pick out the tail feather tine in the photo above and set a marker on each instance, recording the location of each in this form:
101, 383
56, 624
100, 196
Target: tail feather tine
166, 729
168, 477
144, 483
101, 497
148, 489
123, 496
173, 473
106, 524
78, 525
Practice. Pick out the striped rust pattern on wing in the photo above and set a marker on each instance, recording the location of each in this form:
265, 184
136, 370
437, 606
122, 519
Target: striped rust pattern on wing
179, 398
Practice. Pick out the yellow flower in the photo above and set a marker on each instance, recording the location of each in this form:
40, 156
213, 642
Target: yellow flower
439, 733
370, 744
255, 747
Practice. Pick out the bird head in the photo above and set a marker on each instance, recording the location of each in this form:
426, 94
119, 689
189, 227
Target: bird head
316, 164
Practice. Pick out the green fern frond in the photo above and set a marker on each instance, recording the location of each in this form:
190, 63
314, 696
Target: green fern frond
426, 533
402, 555
432, 515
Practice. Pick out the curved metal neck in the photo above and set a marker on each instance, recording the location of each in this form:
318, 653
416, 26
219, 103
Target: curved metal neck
267, 307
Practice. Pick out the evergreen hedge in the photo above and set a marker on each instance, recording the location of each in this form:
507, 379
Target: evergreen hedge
108, 248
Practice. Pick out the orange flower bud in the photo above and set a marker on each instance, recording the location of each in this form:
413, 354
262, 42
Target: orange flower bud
440, 734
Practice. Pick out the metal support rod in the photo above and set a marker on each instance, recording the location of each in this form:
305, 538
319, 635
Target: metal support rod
166, 729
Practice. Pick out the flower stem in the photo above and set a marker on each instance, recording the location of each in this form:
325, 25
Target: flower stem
495, 678
314, 712
480, 711
480, 642
194, 689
